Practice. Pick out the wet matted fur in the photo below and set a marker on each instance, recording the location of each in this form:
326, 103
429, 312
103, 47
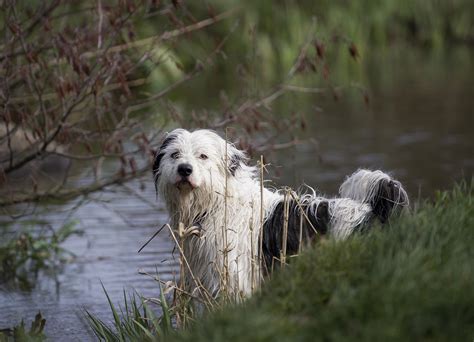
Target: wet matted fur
245, 228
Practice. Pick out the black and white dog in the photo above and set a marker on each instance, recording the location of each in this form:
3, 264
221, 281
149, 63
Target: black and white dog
208, 184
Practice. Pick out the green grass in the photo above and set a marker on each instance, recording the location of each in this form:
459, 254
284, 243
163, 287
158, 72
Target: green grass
136, 321
411, 281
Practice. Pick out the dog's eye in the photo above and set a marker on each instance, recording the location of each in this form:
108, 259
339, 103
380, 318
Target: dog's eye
175, 155
203, 156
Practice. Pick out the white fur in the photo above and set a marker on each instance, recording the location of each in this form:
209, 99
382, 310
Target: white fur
362, 185
238, 217
228, 209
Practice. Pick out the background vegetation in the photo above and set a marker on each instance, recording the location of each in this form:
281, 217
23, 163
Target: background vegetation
83, 81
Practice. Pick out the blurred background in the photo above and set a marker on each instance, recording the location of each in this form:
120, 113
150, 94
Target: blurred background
319, 88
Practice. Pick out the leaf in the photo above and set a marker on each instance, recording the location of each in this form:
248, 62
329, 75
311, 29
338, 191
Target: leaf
354, 52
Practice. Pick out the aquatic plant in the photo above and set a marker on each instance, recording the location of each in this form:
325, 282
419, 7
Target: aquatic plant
36, 246
19, 333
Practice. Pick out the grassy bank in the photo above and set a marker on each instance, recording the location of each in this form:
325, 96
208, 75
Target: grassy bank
411, 281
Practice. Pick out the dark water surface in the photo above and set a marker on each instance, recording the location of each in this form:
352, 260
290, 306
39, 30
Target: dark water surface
419, 125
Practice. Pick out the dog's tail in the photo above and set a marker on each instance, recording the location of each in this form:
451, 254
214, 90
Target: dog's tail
385, 195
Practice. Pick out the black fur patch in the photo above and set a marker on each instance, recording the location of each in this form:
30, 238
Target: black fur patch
160, 154
389, 198
305, 233
234, 163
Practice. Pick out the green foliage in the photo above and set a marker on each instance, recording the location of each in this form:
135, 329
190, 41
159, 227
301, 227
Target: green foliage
412, 280
136, 323
263, 39
31, 250
20, 334
430, 22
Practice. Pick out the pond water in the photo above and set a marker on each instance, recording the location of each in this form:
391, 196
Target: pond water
419, 125
115, 228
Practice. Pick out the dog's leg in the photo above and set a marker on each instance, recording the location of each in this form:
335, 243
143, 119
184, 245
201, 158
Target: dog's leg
384, 194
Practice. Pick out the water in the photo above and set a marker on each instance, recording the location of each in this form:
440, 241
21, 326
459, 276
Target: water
115, 228
419, 126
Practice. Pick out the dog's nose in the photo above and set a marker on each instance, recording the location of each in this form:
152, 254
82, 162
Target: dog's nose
185, 170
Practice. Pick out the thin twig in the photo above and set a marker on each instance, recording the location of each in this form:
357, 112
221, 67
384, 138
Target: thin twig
153, 236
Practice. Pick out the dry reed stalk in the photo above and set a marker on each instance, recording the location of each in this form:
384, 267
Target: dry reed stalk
181, 264
302, 211
202, 290
301, 233
153, 236
225, 284
286, 211
167, 284
252, 251
260, 252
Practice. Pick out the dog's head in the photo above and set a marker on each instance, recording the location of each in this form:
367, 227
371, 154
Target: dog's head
188, 161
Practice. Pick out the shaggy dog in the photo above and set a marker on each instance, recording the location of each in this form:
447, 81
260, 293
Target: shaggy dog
242, 229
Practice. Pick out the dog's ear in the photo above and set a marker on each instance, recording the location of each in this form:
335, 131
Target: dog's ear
237, 159
159, 155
